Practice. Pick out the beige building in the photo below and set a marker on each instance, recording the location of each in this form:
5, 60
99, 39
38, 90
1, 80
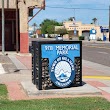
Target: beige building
82, 29
10, 23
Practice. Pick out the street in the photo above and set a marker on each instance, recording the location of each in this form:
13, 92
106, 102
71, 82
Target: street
96, 52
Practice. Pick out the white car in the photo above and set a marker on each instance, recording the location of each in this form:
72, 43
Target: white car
59, 37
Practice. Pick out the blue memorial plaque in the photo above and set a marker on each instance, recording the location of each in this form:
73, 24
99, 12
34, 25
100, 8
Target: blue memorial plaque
61, 62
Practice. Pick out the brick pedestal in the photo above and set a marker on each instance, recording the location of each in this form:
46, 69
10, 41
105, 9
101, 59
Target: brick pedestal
24, 43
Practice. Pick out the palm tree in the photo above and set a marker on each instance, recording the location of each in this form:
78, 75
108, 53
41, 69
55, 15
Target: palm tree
70, 19
94, 20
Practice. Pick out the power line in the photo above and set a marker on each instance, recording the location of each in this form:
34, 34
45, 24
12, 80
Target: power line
68, 1
78, 8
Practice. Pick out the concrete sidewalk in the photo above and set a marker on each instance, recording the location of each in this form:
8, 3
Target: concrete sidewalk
20, 86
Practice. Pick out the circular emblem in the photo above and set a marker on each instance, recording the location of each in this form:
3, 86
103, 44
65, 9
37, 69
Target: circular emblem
62, 71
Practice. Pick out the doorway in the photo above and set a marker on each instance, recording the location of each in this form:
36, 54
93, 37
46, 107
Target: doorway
10, 30
86, 34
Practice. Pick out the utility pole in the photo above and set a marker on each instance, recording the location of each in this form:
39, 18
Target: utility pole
17, 26
74, 24
3, 29
109, 23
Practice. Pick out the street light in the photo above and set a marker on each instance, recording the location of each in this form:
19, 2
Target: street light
74, 26
74, 20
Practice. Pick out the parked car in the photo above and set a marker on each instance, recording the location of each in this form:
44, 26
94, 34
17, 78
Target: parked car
59, 37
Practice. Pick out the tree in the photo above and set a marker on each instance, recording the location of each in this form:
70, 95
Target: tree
70, 19
51, 29
94, 20
47, 26
61, 31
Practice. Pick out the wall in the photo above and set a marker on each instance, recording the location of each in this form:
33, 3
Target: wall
23, 18
83, 27
29, 3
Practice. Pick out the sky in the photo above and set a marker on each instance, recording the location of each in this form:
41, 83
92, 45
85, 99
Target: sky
82, 10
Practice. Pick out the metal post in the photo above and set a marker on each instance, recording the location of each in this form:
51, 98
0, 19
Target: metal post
109, 23
3, 29
74, 24
17, 26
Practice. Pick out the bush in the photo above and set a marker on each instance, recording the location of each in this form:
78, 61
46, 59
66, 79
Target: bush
81, 37
34, 36
99, 39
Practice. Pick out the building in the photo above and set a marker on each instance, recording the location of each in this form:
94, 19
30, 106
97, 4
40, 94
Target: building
10, 7
78, 29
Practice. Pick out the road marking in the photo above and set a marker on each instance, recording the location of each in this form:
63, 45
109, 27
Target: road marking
103, 52
2, 71
96, 47
98, 77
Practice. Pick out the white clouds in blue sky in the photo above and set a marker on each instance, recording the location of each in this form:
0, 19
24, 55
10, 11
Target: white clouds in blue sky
83, 15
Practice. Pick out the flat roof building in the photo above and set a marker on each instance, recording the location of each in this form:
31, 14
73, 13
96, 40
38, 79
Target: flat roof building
82, 29
10, 23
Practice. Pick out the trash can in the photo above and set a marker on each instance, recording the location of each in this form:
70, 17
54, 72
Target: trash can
104, 38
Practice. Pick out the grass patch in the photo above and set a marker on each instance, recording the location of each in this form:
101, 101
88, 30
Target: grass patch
84, 103
3, 92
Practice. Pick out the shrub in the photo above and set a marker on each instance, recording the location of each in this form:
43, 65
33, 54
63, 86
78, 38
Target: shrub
99, 39
34, 36
81, 37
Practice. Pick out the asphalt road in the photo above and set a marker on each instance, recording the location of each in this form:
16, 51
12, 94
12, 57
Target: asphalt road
96, 52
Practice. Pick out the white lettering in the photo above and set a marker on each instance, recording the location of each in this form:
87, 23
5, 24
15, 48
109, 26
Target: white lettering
49, 48
63, 84
63, 50
53, 66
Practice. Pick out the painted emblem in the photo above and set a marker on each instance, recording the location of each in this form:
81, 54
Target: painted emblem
62, 71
